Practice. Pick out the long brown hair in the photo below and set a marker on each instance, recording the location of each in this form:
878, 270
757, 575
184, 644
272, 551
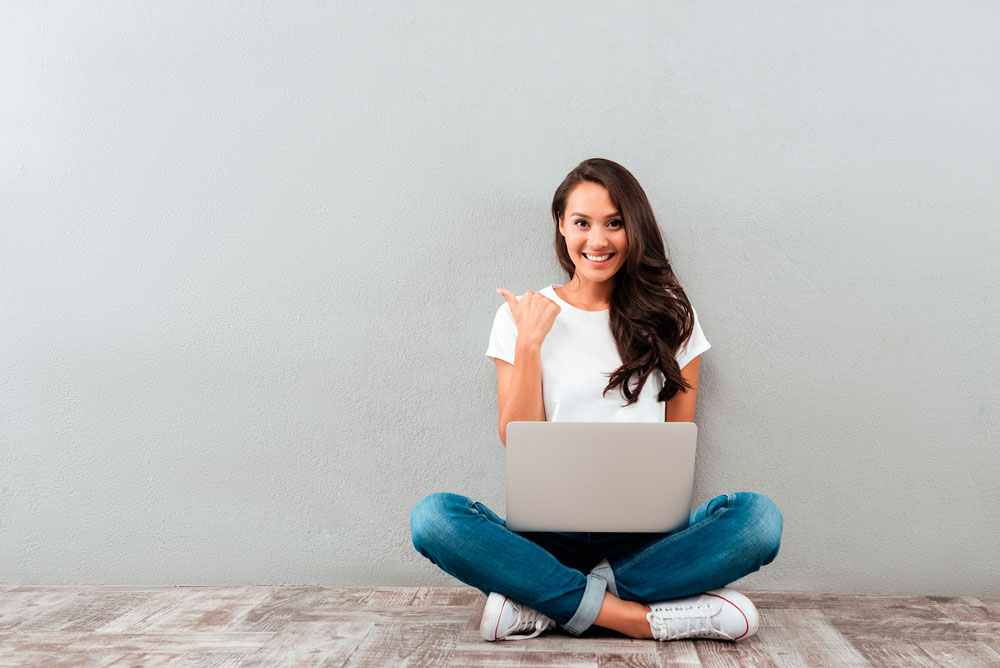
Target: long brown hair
650, 313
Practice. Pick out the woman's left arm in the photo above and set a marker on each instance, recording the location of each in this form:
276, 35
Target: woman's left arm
681, 407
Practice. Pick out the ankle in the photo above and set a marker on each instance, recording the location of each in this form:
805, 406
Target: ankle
639, 626
626, 617
643, 629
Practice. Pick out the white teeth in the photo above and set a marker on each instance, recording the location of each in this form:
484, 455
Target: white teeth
596, 258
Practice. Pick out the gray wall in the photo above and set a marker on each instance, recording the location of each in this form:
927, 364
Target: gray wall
249, 256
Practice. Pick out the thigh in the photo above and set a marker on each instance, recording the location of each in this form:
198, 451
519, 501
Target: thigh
616, 545
729, 536
450, 513
569, 547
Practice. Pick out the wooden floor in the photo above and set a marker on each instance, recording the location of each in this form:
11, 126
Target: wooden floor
265, 627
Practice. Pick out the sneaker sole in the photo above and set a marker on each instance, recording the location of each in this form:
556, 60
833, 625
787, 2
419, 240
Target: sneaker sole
744, 605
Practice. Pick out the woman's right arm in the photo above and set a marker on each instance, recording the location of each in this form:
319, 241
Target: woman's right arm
519, 387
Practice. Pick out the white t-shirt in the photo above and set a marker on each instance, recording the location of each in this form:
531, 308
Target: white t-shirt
578, 355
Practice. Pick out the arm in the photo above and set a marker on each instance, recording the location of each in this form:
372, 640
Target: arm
519, 387
681, 407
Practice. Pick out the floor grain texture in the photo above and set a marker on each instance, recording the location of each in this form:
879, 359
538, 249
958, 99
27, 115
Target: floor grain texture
330, 627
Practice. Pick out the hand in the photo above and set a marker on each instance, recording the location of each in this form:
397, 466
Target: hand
533, 314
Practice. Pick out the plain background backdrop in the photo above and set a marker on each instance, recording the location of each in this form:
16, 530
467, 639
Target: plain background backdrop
249, 254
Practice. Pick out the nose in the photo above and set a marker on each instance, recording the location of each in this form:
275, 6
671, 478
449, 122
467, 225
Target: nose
598, 240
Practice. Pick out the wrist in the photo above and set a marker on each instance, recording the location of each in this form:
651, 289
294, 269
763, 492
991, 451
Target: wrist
527, 345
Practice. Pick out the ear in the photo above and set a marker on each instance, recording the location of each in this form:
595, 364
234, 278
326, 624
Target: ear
561, 230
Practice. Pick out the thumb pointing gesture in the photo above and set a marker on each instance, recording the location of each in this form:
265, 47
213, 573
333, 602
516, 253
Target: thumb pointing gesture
533, 314
511, 300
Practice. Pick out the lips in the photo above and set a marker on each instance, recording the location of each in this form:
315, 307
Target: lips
602, 263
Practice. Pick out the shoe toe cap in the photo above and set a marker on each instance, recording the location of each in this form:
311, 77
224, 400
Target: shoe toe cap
740, 615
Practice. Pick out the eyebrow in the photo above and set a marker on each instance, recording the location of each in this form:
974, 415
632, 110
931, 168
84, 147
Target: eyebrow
583, 215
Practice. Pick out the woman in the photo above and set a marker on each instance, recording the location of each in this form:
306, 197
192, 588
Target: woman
621, 328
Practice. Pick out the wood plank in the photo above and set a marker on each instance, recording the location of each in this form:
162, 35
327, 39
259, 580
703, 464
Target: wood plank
748, 653
21, 605
804, 637
160, 660
632, 660
87, 611
464, 596
309, 644
26, 659
279, 606
449, 614
965, 609
915, 609
959, 654
368, 596
675, 653
45, 642
887, 653
489, 659
187, 609
402, 645
907, 629
227, 641
142, 615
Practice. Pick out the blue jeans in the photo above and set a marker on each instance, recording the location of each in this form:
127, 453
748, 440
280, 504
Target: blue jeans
564, 575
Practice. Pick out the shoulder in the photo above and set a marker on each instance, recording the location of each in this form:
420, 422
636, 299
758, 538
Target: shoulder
503, 312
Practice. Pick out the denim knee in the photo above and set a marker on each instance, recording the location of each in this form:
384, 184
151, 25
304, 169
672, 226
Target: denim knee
765, 524
429, 519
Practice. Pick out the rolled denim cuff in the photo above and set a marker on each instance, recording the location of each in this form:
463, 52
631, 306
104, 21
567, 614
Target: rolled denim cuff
603, 570
590, 605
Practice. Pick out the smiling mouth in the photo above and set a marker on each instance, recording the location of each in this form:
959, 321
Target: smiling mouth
606, 258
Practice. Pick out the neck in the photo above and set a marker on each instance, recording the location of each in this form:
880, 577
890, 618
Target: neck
588, 295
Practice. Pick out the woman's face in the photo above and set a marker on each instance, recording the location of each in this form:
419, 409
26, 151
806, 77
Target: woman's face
593, 227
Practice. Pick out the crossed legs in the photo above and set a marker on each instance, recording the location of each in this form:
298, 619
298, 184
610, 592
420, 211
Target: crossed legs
728, 536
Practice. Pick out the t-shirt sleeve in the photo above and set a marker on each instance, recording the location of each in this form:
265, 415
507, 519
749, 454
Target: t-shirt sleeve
694, 346
503, 337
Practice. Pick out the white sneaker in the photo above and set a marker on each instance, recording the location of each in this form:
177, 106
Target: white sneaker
503, 616
717, 613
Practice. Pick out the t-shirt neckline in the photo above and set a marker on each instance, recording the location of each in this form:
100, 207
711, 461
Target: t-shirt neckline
572, 309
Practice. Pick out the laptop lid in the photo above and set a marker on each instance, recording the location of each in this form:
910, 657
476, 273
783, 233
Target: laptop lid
600, 476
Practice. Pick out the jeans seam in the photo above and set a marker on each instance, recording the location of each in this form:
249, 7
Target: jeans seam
656, 543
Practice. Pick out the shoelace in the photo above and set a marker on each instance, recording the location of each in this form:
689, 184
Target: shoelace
528, 618
683, 621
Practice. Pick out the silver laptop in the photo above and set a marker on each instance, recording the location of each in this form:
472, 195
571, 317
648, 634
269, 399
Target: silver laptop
600, 476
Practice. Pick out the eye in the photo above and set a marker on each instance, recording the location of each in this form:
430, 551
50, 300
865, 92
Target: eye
618, 223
